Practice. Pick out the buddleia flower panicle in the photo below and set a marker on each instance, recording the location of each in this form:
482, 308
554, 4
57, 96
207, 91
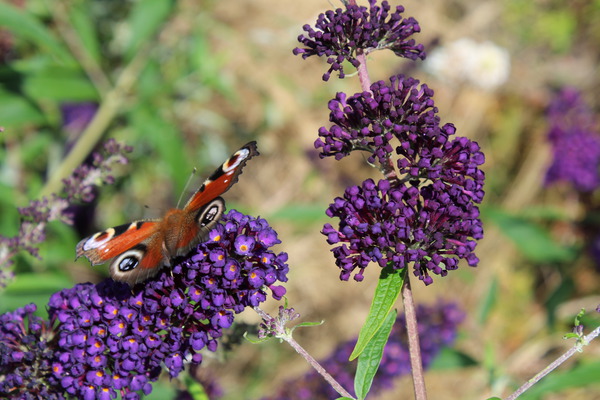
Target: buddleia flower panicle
427, 215
372, 121
437, 325
402, 226
78, 187
342, 34
574, 133
106, 340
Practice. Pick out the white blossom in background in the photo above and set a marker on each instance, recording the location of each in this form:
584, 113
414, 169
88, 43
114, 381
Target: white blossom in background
484, 65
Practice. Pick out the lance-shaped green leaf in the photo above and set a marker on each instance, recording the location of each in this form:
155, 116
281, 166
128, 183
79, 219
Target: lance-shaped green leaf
145, 19
386, 294
369, 360
25, 26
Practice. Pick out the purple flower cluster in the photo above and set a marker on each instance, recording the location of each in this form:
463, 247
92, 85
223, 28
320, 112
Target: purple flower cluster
77, 188
341, 35
437, 326
402, 225
110, 340
428, 216
25, 355
575, 141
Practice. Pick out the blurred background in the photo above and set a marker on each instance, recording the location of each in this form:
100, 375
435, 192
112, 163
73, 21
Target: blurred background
187, 83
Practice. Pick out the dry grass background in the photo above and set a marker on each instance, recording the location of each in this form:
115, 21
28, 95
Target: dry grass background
284, 99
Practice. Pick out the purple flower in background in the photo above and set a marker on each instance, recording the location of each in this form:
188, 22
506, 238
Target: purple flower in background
79, 187
107, 339
341, 35
437, 325
575, 141
77, 116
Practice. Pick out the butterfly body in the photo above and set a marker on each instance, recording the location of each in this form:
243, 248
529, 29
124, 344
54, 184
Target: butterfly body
138, 250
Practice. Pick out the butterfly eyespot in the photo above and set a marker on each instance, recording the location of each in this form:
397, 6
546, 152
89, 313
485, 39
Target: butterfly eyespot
128, 263
211, 212
129, 260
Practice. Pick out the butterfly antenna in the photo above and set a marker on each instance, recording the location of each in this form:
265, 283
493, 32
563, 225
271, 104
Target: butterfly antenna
187, 184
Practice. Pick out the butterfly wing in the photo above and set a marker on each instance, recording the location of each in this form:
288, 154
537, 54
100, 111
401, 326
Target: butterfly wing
205, 207
222, 179
135, 250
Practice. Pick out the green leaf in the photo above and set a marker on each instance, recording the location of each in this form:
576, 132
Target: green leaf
301, 213
580, 376
195, 389
491, 296
60, 83
344, 398
161, 390
83, 23
386, 294
16, 111
28, 283
10, 221
146, 17
452, 359
208, 64
558, 28
308, 324
570, 336
32, 288
24, 25
368, 361
558, 296
531, 239
166, 141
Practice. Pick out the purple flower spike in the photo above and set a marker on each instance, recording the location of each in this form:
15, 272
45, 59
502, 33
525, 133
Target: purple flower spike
423, 213
402, 225
400, 110
109, 340
341, 35
575, 138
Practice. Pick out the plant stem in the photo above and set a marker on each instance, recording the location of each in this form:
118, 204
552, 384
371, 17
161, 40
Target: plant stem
315, 364
363, 73
413, 341
587, 339
109, 108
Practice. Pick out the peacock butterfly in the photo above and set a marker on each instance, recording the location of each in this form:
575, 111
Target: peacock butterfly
138, 250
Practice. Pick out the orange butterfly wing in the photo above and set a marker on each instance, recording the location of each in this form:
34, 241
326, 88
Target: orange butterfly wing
223, 178
105, 245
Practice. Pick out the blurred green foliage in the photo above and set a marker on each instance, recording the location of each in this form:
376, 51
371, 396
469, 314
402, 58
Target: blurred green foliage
151, 69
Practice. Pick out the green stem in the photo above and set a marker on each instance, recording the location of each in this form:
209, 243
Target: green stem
560, 360
110, 107
315, 364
